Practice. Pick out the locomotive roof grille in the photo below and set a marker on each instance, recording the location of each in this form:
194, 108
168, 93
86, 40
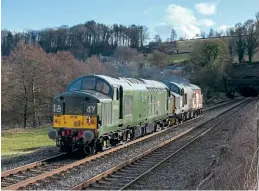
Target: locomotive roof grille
142, 80
156, 89
135, 81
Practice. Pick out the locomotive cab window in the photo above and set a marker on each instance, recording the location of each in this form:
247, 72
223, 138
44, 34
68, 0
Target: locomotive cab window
106, 88
88, 84
102, 86
75, 86
174, 88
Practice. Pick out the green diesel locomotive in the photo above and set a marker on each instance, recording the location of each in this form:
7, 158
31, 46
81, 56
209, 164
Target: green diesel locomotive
97, 112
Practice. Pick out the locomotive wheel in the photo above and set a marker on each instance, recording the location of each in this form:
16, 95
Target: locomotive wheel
168, 123
132, 134
176, 121
100, 146
129, 135
182, 119
158, 127
89, 150
155, 127
142, 131
162, 126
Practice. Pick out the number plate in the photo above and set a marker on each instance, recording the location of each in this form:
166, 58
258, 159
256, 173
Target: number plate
90, 108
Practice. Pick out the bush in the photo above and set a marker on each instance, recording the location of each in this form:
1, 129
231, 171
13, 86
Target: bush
208, 62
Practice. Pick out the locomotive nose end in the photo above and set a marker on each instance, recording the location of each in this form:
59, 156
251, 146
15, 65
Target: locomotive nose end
88, 135
53, 134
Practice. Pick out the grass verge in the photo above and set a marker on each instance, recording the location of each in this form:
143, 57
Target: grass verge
20, 141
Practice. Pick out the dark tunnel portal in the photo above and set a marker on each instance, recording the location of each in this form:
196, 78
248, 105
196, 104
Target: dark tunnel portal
248, 91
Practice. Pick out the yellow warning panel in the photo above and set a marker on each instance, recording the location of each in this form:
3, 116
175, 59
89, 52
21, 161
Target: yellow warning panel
75, 121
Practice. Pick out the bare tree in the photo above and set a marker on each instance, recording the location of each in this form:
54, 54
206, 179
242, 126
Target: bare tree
251, 38
110, 69
257, 22
158, 59
203, 34
211, 33
240, 41
66, 68
7, 106
32, 78
95, 65
83, 40
125, 55
157, 38
231, 42
173, 35
140, 66
168, 40
28, 81
144, 36
257, 17
218, 33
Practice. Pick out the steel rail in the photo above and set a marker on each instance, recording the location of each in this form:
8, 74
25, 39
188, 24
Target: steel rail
30, 166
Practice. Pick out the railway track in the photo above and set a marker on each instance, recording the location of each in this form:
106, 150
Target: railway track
20, 177
124, 175
29, 171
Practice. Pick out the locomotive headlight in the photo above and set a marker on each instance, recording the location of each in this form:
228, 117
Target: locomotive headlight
57, 108
53, 134
88, 135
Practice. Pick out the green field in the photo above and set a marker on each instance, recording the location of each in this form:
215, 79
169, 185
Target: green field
21, 141
182, 46
187, 46
179, 57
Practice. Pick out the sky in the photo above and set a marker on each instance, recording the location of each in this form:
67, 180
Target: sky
187, 17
